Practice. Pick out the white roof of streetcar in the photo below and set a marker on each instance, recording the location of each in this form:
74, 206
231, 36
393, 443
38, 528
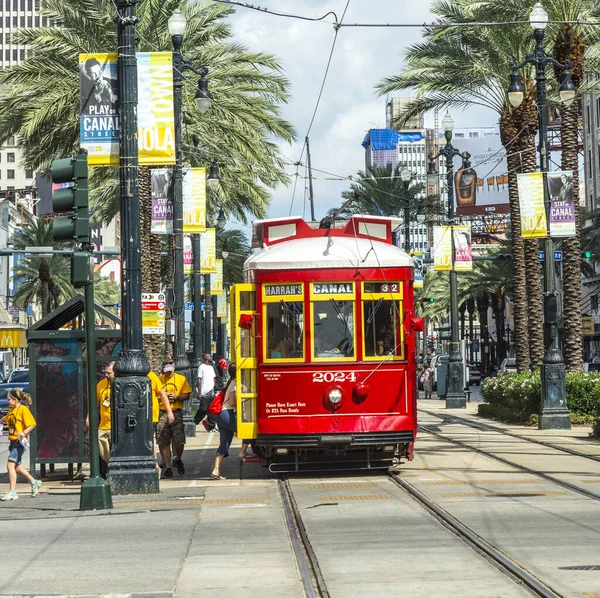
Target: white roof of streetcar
329, 251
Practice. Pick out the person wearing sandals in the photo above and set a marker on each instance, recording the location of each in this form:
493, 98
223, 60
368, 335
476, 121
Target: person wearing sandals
20, 422
227, 423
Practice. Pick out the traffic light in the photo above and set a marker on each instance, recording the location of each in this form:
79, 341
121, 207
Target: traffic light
428, 300
587, 255
72, 198
503, 257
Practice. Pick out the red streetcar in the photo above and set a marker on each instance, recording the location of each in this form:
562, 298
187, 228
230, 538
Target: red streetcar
323, 335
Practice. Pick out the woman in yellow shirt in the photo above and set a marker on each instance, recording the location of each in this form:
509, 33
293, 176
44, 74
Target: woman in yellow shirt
20, 422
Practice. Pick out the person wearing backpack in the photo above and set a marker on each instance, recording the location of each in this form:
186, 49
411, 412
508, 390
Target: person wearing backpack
227, 422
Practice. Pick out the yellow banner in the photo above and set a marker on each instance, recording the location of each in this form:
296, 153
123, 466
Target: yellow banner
531, 204
99, 120
442, 248
216, 281
208, 250
194, 200
12, 339
222, 306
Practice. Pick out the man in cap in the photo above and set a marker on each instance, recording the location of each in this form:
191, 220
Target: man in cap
172, 433
206, 390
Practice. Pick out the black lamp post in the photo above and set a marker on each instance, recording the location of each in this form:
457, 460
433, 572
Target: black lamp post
177, 25
455, 397
132, 468
554, 413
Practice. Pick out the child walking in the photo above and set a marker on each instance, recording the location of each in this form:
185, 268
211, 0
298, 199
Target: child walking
20, 422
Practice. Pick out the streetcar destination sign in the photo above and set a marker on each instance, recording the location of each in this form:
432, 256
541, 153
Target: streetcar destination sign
272, 290
333, 289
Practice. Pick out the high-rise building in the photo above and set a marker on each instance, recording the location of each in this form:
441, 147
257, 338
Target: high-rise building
395, 107
15, 15
591, 148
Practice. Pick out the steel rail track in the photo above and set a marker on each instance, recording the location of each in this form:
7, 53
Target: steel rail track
310, 573
491, 428
523, 468
498, 559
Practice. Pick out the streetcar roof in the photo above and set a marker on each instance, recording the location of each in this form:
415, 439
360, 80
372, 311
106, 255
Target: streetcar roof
328, 252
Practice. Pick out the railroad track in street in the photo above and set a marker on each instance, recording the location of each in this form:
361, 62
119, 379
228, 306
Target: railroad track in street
492, 428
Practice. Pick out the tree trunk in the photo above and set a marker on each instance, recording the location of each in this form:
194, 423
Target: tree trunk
535, 304
519, 270
482, 311
151, 247
471, 310
572, 333
44, 274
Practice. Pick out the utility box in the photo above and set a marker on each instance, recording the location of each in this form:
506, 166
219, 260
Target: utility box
442, 376
58, 382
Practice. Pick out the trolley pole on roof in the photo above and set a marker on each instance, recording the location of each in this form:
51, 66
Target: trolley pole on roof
311, 198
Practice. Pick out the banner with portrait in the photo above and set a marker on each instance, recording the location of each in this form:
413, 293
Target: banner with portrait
531, 205
463, 254
99, 114
418, 276
208, 250
216, 281
162, 201
194, 200
562, 206
188, 255
442, 248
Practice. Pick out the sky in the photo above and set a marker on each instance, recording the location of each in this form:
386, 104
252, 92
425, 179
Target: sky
349, 105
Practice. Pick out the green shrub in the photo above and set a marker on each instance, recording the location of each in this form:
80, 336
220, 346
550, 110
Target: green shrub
516, 398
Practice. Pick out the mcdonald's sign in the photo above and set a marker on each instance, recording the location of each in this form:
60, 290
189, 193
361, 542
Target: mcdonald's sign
12, 338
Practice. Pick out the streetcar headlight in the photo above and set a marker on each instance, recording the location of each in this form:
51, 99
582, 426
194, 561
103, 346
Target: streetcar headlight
334, 396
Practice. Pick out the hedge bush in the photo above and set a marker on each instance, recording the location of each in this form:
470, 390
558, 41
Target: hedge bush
515, 398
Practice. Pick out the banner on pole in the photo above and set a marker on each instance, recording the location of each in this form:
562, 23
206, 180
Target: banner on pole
562, 207
216, 281
531, 204
418, 277
221, 306
188, 256
442, 249
162, 202
194, 200
463, 254
208, 250
99, 114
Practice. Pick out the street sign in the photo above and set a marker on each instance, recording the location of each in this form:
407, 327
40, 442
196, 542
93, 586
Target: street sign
557, 256
202, 306
118, 305
154, 313
475, 346
189, 306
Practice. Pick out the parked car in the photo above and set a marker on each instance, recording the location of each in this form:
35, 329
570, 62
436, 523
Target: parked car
591, 367
19, 375
475, 373
508, 366
4, 388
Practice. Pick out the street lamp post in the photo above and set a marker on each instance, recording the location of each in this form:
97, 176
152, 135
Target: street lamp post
406, 176
177, 25
132, 468
554, 413
455, 397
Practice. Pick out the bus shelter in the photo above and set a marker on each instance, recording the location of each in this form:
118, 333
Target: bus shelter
58, 383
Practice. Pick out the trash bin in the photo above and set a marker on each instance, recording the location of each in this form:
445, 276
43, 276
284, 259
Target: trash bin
442, 376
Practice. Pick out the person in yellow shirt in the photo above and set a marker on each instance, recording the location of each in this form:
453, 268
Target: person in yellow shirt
158, 393
178, 390
20, 422
104, 405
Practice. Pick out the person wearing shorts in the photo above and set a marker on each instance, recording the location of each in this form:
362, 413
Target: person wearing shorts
20, 422
172, 433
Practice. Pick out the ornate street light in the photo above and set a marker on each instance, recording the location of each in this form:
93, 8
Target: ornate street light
554, 413
213, 176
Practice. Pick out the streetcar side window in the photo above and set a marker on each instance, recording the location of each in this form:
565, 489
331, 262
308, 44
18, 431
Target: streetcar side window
285, 330
381, 328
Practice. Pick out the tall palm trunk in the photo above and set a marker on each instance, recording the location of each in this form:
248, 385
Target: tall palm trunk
44, 273
509, 131
570, 45
535, 305
151, 246
483, 303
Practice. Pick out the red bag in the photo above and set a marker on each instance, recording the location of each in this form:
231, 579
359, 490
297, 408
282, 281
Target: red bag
216, 405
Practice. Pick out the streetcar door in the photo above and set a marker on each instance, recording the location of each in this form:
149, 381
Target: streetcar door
244, 332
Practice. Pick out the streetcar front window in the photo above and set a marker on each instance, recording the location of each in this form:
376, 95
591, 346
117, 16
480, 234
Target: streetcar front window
381, 328
285, 330
333, 329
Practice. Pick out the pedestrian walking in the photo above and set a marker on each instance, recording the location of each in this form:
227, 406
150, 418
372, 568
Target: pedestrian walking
104, 406
159, 397
172, 433
206, 391
227, 423
427, 380
20, 422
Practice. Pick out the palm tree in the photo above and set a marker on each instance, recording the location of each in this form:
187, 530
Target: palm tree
235, 245
457, 67
45, 281
40, 104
